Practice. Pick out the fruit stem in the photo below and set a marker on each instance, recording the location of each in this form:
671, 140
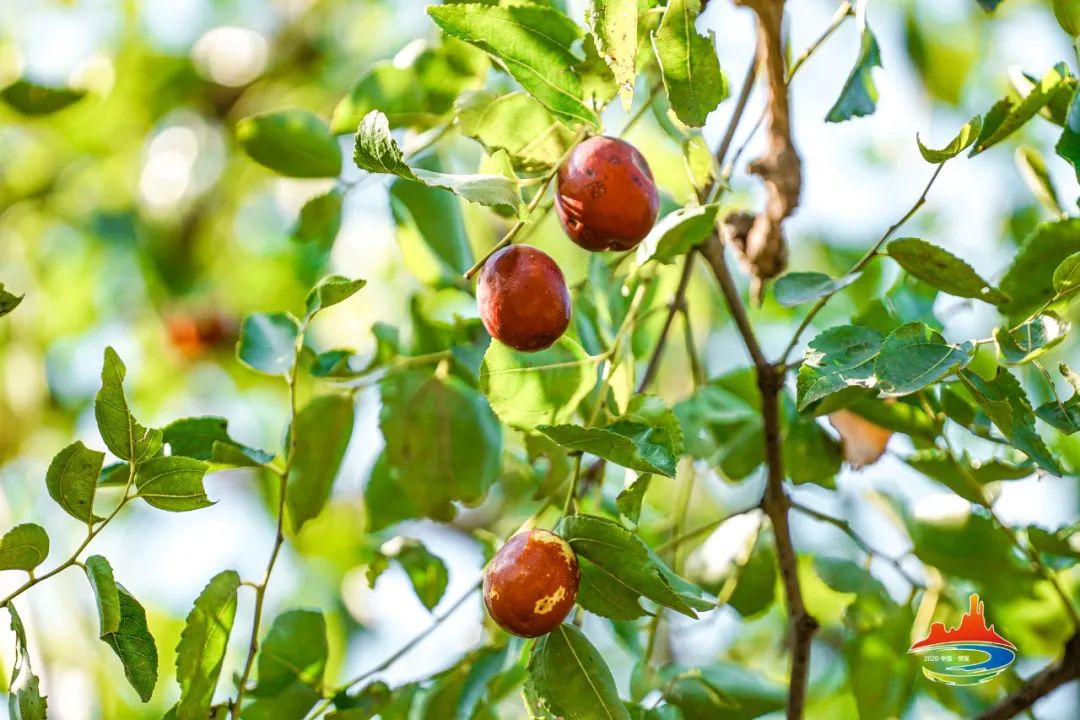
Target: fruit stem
518, 226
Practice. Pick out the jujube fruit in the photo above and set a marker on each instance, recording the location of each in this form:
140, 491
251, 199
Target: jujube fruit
606, 195
531, 583
523, 298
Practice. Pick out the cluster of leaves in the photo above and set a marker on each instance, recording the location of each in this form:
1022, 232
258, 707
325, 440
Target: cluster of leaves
468, 422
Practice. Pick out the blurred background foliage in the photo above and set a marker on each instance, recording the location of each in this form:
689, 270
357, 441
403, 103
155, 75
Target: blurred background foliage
132, 218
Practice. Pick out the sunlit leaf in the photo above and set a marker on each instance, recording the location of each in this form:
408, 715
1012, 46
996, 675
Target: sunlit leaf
173, 483
134, 645
859, 95
24, 547
963, 140
33, 99
688, 64
200, 654
838, 358
943, 270
106, 594
125, 437
1031, 338
1009, 114
8, 302
72, 480
571, 677
796, 288
295, 143
613, 24
268, 342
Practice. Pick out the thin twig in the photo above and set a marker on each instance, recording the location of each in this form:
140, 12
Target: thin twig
862, 263
676, 304
729, 133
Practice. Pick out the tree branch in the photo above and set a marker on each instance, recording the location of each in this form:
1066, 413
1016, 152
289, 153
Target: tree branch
1040, 685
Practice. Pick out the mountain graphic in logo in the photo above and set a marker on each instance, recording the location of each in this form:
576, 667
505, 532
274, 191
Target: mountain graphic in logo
968, 654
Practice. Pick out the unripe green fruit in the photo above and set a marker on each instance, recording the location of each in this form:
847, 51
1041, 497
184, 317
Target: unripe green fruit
1067, 13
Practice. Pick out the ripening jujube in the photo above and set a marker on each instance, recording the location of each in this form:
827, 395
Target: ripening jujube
605, 195
531, 583
523, 298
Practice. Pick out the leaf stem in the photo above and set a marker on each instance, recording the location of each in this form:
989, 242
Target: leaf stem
518, 226
279, 536
862, 263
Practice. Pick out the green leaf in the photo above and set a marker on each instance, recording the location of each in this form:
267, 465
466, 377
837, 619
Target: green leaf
385, 502
291, 664
427, 573
294, 143
134, 645
431, 232
24, 547
796, 288
676, 233
321, 436
443, 443
838, 358
1008, 114
32, 99
811, 455
207, 438
859, 95
1004, 402
1063, 415
572, 679
200, 654
8, 302
722, 689
630, 499
320, 220
268, 342
528, 389
72, 480
1032, 167
914, 356
1029, 281
25, 701
721, 424
106, 594
616, 567
126, 438
1030, 339
377, 151
1061, 542
1067, 276
943, 270
957, 145
964, 476
1068, 146
633, 445
691, 72
755, 588
330, 291
173, 483
516, 124
613, 24
533, 43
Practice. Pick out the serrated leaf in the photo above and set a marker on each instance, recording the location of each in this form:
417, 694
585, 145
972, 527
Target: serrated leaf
943, 270
721, 689
528, 389
330, 291
691, 72
516, 124
207, 438
677, 233
796, 288
443, 442
1032, 167
838, 358
964, 476
319, 220
34, 100
135, 646
173, 483
427, 573
24, 547
629, 500
376, 151
1008, 114
106, 595
615, 562
1004, 402
27, 702
1029, 281
533, 43
72, 480
267, 342
125, 437
291, 664
859, 95
914, 356
1063, 415
613, 24
1031, 338
1068, 145
200, 654
572, 679
8, 302
1067, 276
294, 143
963, 140
322, 432
633, 445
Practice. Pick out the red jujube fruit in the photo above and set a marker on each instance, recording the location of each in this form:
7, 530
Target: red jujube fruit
531, 583
523, 298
